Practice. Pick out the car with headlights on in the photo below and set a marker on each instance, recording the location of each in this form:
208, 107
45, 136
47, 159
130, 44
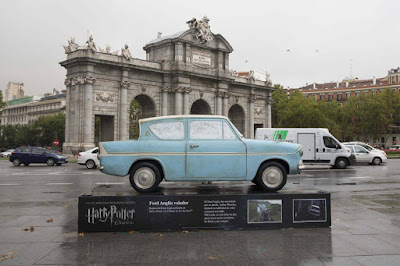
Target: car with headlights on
89, 158
198, 148
28, 155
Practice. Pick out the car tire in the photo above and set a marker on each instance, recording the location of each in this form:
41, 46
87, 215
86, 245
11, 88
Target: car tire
26, 164
145, 177
341, 163
50, 162
16, 162
376, 161
90, 164
271, 176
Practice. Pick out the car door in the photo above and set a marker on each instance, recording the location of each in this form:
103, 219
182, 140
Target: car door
93, 156
38, 156
213, 150
362, 155
328, 150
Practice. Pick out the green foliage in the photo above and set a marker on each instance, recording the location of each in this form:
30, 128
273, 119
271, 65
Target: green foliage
2, 103
367, 116
41, 133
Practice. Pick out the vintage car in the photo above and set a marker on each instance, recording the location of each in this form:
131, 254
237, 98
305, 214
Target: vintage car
198, 148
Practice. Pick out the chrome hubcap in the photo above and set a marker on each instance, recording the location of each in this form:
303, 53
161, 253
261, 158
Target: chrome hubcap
144, 178
272, 177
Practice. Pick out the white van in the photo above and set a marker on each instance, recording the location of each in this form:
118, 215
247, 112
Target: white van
319, 146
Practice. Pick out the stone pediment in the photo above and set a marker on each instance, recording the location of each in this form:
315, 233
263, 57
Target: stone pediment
217, 42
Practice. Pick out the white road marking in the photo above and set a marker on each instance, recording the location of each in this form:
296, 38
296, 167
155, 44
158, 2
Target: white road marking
316, 178
10, 184
59, 184
121, 183
360, 177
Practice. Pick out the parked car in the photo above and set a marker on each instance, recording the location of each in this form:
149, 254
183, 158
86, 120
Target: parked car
6, 153
198, 148
89, 158
28, 155
365, 156
365, 145
395, 147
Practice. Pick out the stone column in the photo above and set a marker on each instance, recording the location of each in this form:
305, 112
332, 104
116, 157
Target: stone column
221, 63
186, 92
178, 100
219, 96
123, 107
179, 52
88, 115
188, 54
251, 116
164, 105
225, 103
76, 121
67, 83
268, 114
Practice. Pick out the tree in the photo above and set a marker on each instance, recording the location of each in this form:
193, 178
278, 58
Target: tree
50, 127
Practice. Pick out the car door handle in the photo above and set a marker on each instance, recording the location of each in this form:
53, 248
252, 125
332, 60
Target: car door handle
193, 146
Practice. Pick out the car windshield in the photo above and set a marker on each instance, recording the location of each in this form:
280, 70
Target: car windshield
366, 146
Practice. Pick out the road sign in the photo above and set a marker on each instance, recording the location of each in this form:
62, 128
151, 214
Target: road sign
56, 142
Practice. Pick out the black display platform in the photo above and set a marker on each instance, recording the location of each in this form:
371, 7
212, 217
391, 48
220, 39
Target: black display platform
190, 207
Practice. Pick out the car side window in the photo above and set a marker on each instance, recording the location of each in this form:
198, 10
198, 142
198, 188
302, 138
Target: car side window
168, 131
24, 150
330, 142
351, 148
228, 133
206, 130
95, 151
37, 151
359, 149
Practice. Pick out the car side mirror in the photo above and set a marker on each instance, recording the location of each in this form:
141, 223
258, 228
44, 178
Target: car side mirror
338, 146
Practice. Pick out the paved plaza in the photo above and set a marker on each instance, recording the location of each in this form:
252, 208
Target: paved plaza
39, 208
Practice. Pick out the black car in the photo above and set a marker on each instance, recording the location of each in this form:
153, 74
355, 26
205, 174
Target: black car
28, 155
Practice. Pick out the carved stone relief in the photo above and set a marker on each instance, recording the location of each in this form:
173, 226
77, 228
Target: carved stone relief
104, 96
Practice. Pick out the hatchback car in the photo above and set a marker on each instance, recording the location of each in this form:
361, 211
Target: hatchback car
28, 155
198, 148
366, 146
89, 158
365, 156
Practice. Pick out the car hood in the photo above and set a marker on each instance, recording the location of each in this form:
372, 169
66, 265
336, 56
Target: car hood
271, 146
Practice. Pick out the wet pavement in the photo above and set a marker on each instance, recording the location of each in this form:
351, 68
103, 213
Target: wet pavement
38, 223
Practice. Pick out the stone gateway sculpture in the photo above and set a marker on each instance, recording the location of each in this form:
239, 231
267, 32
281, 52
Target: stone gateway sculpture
125, 52
91, 45
72, 46
203, 31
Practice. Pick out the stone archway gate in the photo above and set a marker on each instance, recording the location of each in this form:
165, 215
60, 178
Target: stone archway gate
179, 70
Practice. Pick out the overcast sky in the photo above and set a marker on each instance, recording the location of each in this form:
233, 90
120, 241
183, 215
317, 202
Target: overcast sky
361, 33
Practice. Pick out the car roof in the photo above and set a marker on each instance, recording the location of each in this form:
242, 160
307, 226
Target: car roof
179, 116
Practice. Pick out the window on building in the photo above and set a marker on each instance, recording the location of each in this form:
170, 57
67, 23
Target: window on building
393, 79
322, 97
330, 97
339, 97
373, 93
357, 93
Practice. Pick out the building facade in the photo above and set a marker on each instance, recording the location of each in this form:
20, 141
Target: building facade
25, 111
185, 73
345, 89
15, 90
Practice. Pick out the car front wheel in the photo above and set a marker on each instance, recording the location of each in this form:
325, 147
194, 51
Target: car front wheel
341, 163
90, 164
17, 162
271, 176
50, 162
376, 161
145, 177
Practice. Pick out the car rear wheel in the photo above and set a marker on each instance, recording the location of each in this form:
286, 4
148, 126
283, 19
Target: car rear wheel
376, 161
90, 164
50, 162
271, 176
16, 162
145, 177
341, 163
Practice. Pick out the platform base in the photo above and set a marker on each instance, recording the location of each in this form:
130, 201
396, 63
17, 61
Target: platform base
240, 208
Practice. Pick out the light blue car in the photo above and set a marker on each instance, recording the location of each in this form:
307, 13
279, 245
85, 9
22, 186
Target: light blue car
198, 148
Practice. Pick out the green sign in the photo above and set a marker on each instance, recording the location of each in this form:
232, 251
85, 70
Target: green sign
280, 134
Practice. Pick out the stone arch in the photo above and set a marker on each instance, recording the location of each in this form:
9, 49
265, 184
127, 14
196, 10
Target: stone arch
237, 116
207, 97
141, 106
200, 107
